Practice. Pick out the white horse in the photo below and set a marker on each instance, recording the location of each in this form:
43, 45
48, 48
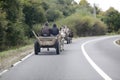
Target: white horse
62, 33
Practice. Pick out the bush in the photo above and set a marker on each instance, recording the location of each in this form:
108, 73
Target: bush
37, 28
90, 27
33, 15
53, 15
15, 34
99, 28
84, 25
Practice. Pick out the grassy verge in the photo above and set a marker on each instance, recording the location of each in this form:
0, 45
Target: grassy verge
7, 58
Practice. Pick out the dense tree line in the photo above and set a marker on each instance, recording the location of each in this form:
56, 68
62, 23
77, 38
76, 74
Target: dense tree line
11, 22
19, 17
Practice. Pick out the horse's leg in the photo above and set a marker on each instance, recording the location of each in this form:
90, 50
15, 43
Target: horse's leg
63, 44
47, 49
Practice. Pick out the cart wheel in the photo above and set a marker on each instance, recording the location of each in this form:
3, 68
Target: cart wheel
36, 48
57, 48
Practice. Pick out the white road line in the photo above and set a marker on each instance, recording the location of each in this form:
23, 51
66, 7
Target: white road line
3, 72
116, 43
22, 59
92, 63
15, 64
27, 56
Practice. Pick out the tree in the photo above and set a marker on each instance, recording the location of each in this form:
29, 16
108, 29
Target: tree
11, 17
34, 14
84, 3
3, 24
65, 7
13, 10
45, 5
112, 19
15, 34
63, 2
53, 15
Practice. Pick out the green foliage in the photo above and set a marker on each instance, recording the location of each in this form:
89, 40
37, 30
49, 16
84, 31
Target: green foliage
37, 28
65, 7
53, 15
84, 25
84, 3
112, 19
33, 14
68, 10
63, 2
10, 19
89, 26
15, 34
19, 17
45, 5
3, 24
12, 26
13, 10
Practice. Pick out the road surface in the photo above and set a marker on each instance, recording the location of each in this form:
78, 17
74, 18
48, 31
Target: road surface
91, 58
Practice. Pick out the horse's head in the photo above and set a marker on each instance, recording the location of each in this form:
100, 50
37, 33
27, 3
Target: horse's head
62, 33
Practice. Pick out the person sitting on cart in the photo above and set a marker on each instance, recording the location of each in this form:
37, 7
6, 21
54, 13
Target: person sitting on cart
46, 31
54, 30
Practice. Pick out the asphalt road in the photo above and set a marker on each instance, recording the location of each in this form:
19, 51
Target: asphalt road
91, 58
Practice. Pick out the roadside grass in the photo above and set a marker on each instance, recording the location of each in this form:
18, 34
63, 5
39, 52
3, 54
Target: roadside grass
7, 58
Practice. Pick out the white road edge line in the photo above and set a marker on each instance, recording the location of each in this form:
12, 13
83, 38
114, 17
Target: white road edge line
22, 59
92, 63
116, 43
15, 64
27, 56
3, 72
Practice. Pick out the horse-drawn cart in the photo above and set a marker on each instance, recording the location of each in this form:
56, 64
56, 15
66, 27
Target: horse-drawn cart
68, 37
47, 42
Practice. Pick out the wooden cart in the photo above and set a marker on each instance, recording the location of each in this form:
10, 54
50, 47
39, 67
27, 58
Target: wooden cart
47, 42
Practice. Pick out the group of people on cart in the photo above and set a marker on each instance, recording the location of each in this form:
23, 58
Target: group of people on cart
46, 31
64, 33
54, 31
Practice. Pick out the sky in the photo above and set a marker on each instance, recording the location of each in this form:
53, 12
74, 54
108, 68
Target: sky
105, 4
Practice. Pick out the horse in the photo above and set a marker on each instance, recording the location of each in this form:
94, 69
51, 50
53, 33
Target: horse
62, 35
67, 33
